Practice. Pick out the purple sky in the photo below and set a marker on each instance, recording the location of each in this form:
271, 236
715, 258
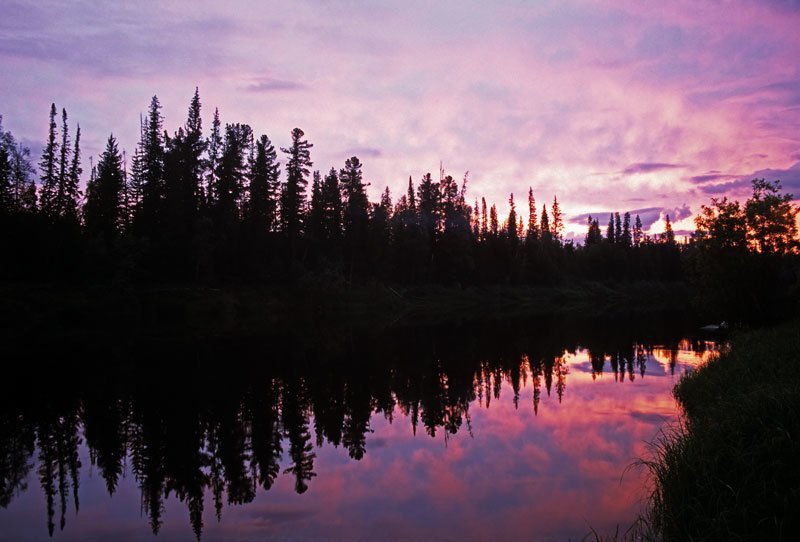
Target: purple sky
609, 105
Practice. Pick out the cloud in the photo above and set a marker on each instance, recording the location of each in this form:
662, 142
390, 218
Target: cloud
649, 167
361, 152
790, 181
648, 215
700, 179
275, 85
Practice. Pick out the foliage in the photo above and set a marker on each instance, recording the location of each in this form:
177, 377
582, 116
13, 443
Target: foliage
730, 471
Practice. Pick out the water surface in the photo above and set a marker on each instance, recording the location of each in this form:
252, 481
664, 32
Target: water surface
491, 431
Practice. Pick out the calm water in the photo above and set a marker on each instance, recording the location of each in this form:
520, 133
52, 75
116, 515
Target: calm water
497, 431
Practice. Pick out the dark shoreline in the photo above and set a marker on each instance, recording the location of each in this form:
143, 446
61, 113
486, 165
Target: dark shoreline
730, 470
188, 310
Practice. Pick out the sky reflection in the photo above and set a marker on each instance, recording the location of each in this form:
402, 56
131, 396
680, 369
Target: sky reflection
509, 472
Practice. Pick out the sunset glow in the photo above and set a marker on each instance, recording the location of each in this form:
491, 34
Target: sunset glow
639, 107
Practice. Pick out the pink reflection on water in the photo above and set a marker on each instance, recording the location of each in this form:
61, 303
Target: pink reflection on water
553, 475
516, 475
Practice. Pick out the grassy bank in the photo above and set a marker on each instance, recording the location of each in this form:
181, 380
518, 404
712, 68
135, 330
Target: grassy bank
731, 471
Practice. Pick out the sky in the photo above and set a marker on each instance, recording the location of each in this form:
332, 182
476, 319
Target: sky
646, 107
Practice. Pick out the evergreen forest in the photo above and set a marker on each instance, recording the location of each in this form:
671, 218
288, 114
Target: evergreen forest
224, 206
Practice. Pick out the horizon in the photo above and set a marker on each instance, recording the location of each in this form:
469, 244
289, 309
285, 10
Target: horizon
667, 109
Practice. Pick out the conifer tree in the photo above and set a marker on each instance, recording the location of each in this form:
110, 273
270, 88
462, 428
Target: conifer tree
593, 235
533, 222
72, 192
494, 227
152, 171
229, 191
63, 168
610, 234
558, 223
476, 221
544, 227
332, 205
5, 181
511, 227
626, 230
617, 229
103, 209
638, 234
293, 192
264, 172
428, 202
47, 169
484, 220
412, 199
214, 154
355, 214
668, 235
192, 170
316, 213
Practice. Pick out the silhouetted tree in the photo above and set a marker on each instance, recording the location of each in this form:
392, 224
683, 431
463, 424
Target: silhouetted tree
293, 192
102, 213
533, 223
771, 219
626, 230
558, 223
355, 216
48, 175
638, 234
150, 219
511, 225
264, 181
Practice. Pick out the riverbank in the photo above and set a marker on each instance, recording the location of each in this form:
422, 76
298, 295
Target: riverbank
731, 470
185, 310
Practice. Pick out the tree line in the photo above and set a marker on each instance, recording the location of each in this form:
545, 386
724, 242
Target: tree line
221, 208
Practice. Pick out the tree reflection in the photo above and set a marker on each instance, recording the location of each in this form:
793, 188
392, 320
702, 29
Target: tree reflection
203, 429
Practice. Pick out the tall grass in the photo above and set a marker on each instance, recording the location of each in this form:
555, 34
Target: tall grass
731, 469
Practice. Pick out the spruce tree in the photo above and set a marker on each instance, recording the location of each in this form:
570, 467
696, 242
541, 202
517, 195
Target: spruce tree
668, 236
293, 192
103, 209
544, 227
610, 235
316, 212
263, 176
47, 169
72, 191
5, 181
355, 215
153, 190
63, 168
484, 220
332, 205
638, 234
193, 161
229, 202
558, 223
511, 225
213, 156
617, 229
626, 230
533, 222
